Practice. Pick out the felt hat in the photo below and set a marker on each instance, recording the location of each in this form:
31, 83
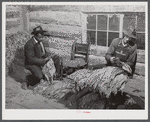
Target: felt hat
130, 32
38, 29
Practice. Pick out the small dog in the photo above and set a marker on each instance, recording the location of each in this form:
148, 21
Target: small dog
49, 71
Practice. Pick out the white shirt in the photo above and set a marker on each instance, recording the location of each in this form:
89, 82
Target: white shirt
41, 45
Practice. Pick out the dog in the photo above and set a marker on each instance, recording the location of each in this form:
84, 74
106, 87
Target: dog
49, 71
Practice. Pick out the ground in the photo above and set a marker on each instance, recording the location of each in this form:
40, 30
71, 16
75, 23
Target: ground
17, 98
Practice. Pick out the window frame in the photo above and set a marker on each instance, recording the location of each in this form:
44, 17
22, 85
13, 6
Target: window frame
107, 31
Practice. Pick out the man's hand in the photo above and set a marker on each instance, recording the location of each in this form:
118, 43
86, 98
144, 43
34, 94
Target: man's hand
47, 59
117, 61
112, 60
126, 67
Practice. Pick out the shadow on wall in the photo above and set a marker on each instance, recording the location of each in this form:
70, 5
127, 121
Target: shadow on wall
16, 69
15, 55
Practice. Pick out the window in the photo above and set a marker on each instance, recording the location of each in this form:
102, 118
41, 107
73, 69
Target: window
103, 28
136, 21
141, 31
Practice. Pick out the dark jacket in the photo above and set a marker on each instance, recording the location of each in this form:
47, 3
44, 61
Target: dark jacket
33, 53
126, 54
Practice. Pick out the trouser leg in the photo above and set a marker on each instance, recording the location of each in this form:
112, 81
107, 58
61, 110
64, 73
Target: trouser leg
99, 66
36, 76
83, 92
56, 60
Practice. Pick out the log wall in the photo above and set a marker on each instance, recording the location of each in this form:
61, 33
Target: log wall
101, 51
97, 55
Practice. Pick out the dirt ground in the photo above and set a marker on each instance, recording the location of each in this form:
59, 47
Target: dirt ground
17, 98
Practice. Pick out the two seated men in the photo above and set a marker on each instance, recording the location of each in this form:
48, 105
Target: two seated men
120, 50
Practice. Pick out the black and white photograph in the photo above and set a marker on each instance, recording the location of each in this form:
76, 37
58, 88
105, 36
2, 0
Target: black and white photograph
74, 60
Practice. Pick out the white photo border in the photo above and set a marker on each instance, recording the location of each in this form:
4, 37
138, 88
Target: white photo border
53, 114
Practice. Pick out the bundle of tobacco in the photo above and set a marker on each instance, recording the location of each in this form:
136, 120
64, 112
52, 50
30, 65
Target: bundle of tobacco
56, 90
49, 71
105, 80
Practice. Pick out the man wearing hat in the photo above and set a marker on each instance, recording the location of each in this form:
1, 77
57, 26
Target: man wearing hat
123, 50
36, 56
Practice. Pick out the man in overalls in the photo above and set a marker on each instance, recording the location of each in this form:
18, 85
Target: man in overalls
123, 50
120, 50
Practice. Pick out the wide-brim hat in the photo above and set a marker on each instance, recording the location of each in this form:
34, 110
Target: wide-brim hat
38, 29
130, 32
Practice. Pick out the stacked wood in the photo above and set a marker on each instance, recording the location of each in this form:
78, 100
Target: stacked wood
95, 60
101, 51
97, 54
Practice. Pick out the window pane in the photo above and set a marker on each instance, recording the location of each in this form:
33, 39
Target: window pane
141, 40
91, 19
111, 36
114, 21
92, 36
141, 23
101, 38
129, 21
102, 22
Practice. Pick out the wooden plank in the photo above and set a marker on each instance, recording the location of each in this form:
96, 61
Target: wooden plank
140, 69
12, 19
138, 100
136, 86
141, 56
136, 89
113, 8
101, 51
12, 8
94, 60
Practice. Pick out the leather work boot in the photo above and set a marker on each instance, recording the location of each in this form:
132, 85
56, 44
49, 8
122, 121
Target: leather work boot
24, 85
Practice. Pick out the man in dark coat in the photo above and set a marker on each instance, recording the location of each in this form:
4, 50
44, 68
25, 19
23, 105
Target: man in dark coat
123, 50
36, 57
